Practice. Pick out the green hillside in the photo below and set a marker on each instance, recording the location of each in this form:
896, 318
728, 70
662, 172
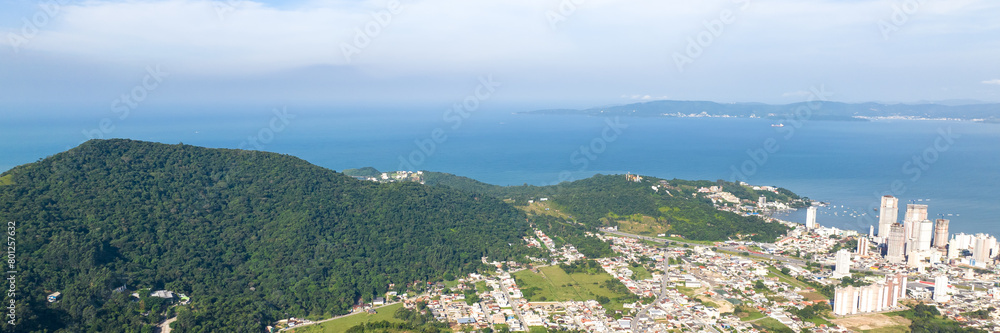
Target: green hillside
251, 237
603, 200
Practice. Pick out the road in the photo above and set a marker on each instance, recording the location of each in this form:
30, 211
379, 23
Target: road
515, 307
327, 319
663, 294
164, 327
800, 262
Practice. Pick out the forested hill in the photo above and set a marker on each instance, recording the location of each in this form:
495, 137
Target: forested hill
604, 199
251, 237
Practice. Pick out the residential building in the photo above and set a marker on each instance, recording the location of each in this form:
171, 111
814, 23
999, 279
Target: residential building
887, 216
941, 233
895, 244
941, 289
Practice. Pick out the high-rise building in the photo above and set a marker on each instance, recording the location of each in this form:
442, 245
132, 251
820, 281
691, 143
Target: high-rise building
761, 201
911, 221
981, 252
895, 244
843, 267
964, 241
862, 246
925, 230
908, 227
887, 215
873, 298
941, 233
941, 289
811, 218
915, 212
953, 250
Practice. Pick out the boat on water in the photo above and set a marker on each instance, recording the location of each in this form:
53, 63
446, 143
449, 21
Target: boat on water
778, 125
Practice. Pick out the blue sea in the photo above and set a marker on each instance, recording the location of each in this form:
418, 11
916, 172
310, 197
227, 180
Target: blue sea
952, 166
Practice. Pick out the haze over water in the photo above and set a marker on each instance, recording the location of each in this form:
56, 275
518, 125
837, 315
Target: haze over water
849, 164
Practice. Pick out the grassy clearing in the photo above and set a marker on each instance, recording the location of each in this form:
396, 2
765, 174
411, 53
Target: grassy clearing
553, 284
749, 313
342, 324
820, 321
811, 296
772, 325
648, 227
545, 208
875, 322
641, 273
890, 329
787, 279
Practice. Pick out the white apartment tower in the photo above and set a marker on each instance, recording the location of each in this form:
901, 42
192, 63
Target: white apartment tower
862, 246
811, 218
873, 298
843, 267
895, 244
925, 230
916, 212
983, 248
887, 216
941, 289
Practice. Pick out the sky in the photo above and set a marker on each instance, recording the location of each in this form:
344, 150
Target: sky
69, 54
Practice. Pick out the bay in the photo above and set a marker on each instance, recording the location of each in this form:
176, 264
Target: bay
952, 166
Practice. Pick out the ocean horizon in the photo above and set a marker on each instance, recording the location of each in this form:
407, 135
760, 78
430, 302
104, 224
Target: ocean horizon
949, 165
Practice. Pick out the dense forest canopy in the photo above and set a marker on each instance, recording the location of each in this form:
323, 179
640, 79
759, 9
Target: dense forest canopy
603, 199
251, 237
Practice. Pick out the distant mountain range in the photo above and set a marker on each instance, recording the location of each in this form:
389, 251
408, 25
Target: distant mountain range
803, 110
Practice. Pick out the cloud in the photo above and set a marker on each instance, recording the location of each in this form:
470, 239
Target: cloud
598, 46
994, 81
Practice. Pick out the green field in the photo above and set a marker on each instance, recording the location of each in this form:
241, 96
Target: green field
342, 324
641, 273
751, 314
772, 325
820, 321
787, 279
890, 329
555, 285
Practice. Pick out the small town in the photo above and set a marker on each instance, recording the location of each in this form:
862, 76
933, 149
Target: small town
815, 279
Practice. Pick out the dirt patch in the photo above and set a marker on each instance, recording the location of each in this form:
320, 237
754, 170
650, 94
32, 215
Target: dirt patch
871, 321
724, 305
810, 296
